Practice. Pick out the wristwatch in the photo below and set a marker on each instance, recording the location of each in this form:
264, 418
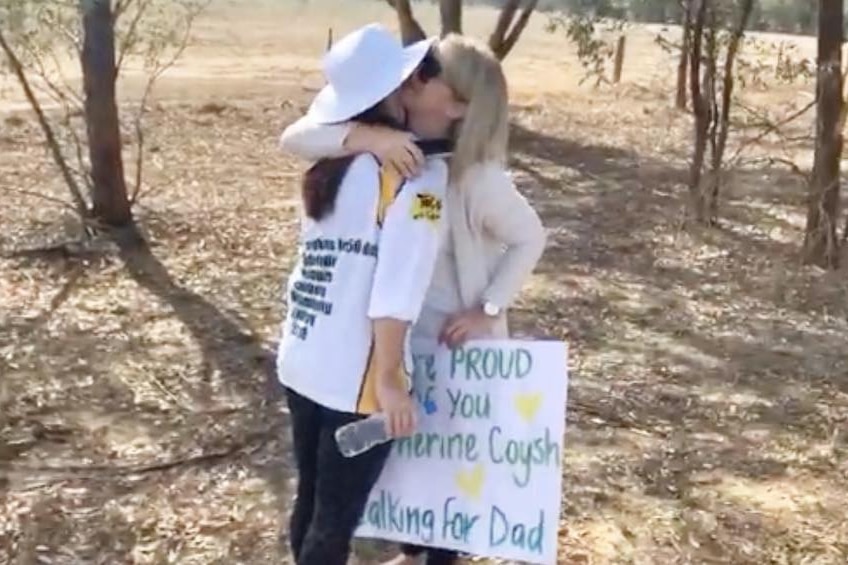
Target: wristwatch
491, 310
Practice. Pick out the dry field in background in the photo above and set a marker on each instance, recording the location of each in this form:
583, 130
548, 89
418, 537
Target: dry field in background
709, 393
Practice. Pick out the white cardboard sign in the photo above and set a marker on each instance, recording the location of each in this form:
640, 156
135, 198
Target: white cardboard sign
483, 473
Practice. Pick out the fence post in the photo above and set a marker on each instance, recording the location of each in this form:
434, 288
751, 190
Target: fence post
619, 59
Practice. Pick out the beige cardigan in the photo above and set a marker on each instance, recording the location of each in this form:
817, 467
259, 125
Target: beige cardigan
497, 236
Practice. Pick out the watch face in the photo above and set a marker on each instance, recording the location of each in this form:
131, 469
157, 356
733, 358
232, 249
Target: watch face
490, 309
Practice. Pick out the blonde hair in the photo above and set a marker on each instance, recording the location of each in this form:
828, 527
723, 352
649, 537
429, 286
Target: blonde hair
475, 75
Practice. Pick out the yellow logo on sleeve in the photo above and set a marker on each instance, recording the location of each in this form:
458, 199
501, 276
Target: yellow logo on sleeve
426, 206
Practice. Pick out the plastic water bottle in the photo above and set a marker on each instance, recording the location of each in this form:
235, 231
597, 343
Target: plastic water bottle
360, 436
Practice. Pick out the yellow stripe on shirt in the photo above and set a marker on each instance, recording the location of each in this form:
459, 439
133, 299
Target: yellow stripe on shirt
367, 402
390, 183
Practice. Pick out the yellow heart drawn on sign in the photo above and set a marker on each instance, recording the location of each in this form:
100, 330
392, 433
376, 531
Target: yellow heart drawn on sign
470, 482
527, 404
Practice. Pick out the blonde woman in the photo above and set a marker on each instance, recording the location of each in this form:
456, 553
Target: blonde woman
495, 238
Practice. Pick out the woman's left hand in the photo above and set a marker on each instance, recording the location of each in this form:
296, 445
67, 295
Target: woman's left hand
463, 326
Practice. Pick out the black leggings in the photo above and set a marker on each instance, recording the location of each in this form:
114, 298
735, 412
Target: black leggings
332, 490
434, 556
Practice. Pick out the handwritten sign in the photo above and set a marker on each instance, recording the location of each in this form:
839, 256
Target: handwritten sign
483, 473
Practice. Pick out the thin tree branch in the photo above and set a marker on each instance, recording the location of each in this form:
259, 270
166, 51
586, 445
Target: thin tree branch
70, 109
76, 42
121, 6
79, 149
130, 36
148, 89
249, 445
72, 92
45, 197
58, 157
788, 163
770, 128
139, 158
66, 96
47, 19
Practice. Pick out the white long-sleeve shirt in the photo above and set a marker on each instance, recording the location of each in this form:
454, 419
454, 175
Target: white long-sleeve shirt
372, 257
495, 241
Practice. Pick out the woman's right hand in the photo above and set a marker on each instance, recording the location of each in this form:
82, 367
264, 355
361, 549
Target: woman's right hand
398, 408
394, 149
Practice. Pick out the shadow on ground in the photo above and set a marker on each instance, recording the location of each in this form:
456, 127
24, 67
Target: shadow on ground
709, 368
224, 344
124, 433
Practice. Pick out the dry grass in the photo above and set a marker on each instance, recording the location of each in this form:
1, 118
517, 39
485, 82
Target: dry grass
707, 416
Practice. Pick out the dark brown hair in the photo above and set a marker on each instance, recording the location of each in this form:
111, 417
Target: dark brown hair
322, 181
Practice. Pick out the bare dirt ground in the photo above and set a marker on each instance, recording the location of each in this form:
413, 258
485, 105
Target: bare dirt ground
709, 393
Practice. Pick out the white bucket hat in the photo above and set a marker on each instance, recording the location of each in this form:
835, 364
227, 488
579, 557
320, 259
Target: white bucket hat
362, 69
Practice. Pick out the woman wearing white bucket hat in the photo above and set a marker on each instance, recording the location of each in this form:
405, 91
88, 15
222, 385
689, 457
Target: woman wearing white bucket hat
363, 69
495, 238
341, 356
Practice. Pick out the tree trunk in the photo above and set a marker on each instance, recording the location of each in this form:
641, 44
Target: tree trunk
508, 30
709, 92
701, 111
508, 11
109, 193
503, 46
683, 64
451, 14
821, 245
410, 30
845, 231
723, 115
